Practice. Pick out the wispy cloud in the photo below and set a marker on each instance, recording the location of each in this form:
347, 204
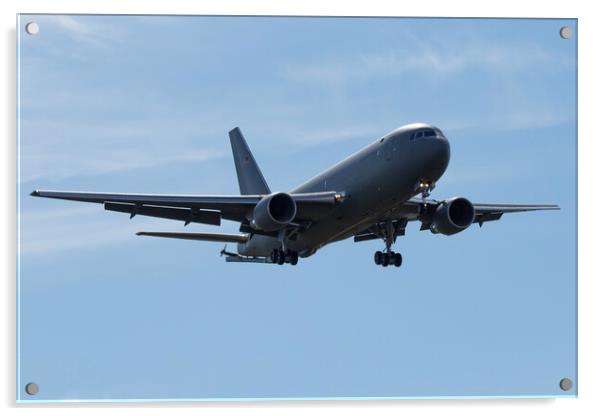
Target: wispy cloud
301, 135
424, 58
86, 30
78, 227
82, 227
56, 150
66, 164
363, 66
501, 70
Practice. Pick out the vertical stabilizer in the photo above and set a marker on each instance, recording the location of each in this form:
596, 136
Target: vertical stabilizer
250, 179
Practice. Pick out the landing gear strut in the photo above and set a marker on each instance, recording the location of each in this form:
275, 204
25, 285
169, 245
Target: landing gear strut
280, 257
388, 257
425, 188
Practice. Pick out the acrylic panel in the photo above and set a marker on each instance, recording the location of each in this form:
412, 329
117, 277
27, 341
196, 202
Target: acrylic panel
127, 125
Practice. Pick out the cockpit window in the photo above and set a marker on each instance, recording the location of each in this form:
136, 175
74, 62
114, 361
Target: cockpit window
426, 133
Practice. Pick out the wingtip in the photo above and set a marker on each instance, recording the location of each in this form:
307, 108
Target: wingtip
35, 193
140, 233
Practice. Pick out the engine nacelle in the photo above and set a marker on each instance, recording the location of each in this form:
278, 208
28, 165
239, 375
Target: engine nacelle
274, 212
452, 216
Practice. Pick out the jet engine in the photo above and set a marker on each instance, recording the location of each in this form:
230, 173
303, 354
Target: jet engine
274, 212
452, 216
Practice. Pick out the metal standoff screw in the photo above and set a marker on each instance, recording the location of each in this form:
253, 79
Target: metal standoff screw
566, 384
565, 32
32, 389
32, 28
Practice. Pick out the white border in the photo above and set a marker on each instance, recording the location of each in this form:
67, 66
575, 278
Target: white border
590, 295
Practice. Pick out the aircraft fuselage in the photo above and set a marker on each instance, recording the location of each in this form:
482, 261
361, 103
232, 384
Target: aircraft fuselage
377, 179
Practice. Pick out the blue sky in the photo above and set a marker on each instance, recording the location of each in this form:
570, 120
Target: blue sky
144, 104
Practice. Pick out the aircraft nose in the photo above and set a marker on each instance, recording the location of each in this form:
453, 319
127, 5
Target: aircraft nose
445, 151
437, 156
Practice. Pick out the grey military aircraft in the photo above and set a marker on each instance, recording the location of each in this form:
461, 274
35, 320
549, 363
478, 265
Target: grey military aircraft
372, 194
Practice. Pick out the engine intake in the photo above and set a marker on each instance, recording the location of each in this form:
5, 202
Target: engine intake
452, 216
274, 212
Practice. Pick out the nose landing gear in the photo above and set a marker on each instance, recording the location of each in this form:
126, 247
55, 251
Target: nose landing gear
425, 188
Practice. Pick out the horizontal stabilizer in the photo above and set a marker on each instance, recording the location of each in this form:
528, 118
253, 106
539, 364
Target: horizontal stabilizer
216, 237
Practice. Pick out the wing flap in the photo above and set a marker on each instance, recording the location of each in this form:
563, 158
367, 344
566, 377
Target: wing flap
365, 237
377, 231
480, 218
180, 214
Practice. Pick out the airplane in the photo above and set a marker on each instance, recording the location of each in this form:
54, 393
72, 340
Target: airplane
370, 195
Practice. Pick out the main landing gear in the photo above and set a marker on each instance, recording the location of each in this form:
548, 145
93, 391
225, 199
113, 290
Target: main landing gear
389, 257
280, 257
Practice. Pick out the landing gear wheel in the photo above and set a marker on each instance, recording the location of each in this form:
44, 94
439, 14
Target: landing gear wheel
378, 257
386, 259
281, 257
274, 256
397, 259
292, 257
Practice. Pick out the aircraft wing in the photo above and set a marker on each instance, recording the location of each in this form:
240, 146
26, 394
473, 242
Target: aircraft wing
483, 212
206, 209
493, 212
417, 209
